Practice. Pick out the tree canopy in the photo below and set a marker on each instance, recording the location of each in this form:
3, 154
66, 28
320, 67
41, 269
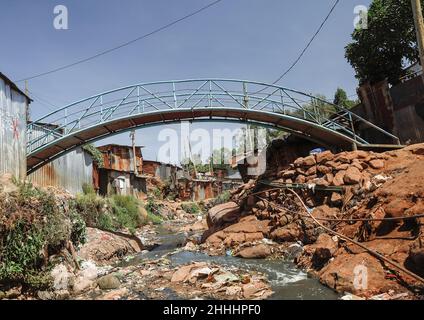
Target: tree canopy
387, 46
341, 99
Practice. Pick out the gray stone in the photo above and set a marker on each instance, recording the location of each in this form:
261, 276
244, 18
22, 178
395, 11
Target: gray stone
108, 282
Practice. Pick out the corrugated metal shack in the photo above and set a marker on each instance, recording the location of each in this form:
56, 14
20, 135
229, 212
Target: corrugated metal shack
199, 188
122, 172
203, 189
163, 171
152, 168
13, 118
71, 171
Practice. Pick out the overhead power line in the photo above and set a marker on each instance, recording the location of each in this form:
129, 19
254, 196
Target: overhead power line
121, 45
50, 106
309, 43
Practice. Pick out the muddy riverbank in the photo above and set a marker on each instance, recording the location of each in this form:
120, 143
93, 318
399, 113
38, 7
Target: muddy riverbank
176, 268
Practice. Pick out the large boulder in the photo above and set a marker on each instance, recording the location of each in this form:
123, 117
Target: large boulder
352, 175
397, 207
338, 179
249, 224
223, 213
357, 273
104, 247
376, 164
289, 233
325, 248
324, 156
259, 251
108, 282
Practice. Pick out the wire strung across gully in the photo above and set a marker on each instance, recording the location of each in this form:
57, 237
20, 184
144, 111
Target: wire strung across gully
372, 252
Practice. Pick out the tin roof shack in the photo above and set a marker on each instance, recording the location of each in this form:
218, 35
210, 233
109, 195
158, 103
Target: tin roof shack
230, 180
14, 106
152, 168
202, 187
164, 172
122, 171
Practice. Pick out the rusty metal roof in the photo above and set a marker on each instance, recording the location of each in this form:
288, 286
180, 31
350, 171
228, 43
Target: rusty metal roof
15, 87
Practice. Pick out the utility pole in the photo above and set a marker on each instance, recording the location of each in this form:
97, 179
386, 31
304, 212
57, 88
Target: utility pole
27, 94
132, 135
191, 158
419, 28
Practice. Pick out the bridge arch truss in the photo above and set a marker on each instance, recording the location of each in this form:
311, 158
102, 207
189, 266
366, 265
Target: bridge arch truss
158, 103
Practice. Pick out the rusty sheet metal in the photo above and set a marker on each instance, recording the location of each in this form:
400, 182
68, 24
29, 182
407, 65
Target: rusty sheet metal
202, 190
399, 109
13, 109
151, 168
70, 172
121, 158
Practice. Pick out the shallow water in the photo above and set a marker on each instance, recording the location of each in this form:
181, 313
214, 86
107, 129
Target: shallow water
287, 281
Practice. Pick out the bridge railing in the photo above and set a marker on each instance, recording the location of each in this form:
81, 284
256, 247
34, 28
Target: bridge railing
153, 97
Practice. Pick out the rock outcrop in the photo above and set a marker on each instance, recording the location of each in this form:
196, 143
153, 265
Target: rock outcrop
371, 186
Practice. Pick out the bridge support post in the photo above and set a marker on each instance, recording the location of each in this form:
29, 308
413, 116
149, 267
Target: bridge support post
352, 126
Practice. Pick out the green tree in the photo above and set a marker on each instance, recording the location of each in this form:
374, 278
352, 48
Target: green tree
318, 105
195, 162
387, 46
341, 99
221, 158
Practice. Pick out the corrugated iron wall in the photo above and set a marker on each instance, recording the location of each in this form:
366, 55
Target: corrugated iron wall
70, 172
408, 99
121, 158
202, 190
13, 107
399, 109
149, 168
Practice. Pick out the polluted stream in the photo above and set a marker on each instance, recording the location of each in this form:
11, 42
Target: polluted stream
287, 281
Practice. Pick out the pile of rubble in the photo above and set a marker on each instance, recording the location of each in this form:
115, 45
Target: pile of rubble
156, 279
267, 219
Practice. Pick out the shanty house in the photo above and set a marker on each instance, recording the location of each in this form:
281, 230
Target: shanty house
13, 119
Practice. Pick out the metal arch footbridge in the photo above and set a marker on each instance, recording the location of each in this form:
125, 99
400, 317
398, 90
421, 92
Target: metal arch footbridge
159, 103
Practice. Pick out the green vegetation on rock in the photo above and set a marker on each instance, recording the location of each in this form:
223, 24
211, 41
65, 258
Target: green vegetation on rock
34, 224
222, 198
190, 207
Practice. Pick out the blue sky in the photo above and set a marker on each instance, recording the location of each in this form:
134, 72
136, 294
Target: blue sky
246, 39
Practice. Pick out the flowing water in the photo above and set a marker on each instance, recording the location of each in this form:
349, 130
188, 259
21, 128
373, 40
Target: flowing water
287, 281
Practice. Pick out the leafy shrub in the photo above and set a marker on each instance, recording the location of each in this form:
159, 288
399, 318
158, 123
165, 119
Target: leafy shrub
222, 198
113, 213
21, 250
126, 212
157, 193
79, 231
95, 153
34, 222
190, 207
88, 188
92, 208
155, 219
153, 206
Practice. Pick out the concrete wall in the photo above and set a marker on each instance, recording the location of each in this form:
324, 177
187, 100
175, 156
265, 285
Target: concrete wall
13, 110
